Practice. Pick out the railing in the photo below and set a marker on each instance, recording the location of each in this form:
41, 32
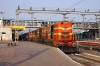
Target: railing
33, 24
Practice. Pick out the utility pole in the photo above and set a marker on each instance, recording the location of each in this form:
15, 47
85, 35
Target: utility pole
31, 16
83, 21
16, 26
1, 23
98, 23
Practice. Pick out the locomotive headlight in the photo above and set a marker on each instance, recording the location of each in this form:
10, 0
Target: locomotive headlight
74, 44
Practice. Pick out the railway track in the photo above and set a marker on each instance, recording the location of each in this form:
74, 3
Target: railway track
86, 47
86, 59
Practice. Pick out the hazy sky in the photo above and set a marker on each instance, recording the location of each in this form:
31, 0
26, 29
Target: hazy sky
9, 6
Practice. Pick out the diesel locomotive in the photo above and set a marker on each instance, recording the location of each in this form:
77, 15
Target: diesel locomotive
58, 35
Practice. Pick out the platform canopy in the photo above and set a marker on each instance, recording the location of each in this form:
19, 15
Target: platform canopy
18, 27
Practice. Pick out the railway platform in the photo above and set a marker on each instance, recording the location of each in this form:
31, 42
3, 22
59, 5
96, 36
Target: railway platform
89, 43
32, 54
91, 47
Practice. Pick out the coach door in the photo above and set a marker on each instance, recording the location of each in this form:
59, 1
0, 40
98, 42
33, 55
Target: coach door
4, 36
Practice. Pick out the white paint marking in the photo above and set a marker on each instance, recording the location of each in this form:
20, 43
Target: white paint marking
91, 55
70, 58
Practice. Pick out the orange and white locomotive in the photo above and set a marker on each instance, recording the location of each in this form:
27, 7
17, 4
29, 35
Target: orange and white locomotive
58, 35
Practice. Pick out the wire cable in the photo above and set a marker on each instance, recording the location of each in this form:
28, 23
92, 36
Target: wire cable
75, 4
66, 9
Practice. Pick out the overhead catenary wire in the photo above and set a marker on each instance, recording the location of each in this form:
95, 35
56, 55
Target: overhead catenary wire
66, 9
75, 4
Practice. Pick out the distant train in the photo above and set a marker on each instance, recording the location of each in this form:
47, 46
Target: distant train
92, 34
58, 35
24, 37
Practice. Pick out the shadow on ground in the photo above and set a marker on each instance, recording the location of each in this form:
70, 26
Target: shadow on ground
19, 62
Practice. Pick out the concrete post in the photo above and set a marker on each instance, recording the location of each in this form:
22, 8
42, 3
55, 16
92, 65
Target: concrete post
16, 24
98, 23
83, 20
1, 24
31, 17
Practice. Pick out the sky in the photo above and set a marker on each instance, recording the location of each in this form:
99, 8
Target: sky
9, 7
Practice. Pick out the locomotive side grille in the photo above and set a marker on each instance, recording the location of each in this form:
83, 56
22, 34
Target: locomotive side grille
65, 35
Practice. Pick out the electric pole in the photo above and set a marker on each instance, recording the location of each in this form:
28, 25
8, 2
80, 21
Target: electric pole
31, 17
16, 26
83, 21
1, 24
98, 23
